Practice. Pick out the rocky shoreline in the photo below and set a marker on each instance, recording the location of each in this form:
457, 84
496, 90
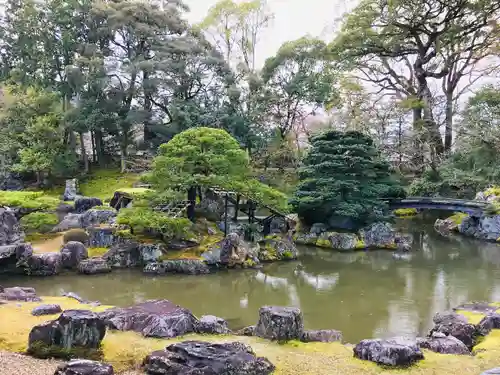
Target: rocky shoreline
82, 332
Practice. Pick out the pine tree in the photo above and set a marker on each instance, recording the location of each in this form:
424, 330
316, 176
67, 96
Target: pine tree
342, 180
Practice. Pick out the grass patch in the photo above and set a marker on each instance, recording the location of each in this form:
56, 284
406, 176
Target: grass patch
103, 183
458, 217
404, 212
33, 200
97, 251
126, 350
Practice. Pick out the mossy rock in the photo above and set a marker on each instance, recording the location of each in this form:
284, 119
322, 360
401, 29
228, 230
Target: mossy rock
97, 251
457, 218
30, 200
41, 350
78, 235
39, 222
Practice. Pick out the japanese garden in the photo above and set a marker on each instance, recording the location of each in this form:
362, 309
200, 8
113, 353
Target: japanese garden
174, 200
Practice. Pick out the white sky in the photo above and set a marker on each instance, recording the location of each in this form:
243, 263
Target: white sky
293, 19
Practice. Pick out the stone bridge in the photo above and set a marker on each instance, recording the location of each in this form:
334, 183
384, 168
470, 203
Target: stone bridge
470, 207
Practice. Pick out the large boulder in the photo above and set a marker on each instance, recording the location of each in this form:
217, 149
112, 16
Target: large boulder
323, 335
71, 190
276, 247
484, 228
211, 324
152, 252
452, 324
70, 221
124, 255
280, 323
10, 182
198, 357
46, 264
84, 367
155, 318
46, 310
72, 329
445, 227
73, 253
10, 231
17, 293
180, 266
488, 323
94, 266
94, 217
11, 255
83, 204
440, 343
379, 236
397, 351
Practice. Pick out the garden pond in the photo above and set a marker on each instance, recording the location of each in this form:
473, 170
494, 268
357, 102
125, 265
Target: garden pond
363, 294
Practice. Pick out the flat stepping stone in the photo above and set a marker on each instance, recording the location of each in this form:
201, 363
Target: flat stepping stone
478, 307
46, 310
84, 367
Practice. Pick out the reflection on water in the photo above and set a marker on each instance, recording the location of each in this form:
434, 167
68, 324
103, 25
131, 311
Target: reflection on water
363, 294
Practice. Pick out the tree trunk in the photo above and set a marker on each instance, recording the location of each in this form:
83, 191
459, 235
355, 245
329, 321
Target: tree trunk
191, 196
83, 151
418, 141
99, 146
94, 154
148, 136
448, 133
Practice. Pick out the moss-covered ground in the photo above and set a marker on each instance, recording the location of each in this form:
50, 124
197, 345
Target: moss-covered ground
126, 350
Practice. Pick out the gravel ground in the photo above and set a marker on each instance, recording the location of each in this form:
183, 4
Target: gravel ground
17, 364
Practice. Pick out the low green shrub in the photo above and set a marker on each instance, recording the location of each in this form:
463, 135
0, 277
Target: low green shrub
34, 200
78, 235
144, 220
40, 222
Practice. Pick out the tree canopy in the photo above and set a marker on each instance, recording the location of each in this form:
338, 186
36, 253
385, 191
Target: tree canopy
343, 180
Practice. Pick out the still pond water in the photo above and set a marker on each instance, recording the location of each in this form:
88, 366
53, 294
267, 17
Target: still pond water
363, 294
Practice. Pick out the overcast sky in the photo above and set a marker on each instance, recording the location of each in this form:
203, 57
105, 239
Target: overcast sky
293, 19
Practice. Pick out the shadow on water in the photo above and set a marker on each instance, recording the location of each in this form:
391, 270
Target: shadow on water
363, 294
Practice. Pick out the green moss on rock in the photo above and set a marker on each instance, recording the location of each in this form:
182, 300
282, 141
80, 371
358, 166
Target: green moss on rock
324, 242
404, 212
31, 200
41, 350
78, 235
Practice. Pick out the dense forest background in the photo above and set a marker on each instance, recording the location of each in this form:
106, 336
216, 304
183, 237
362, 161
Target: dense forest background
87, 84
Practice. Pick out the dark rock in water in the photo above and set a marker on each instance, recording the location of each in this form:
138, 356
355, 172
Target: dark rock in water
84, 367
456, 325
403, 242
11, 255
478, 307
73, 329
71, 190
101, 237
10, 231
17, 293
198, 357
73, 253
46, 310
212, 325
488, 323
277, 248
182, 266
70, 221
440, 343
324, 335
280, 323
95, 217
391, 352
132, 254
155, 318
246, 331
379, 236
83, 204
46, 264
493, 371
445, 227
93, 266
124, 255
